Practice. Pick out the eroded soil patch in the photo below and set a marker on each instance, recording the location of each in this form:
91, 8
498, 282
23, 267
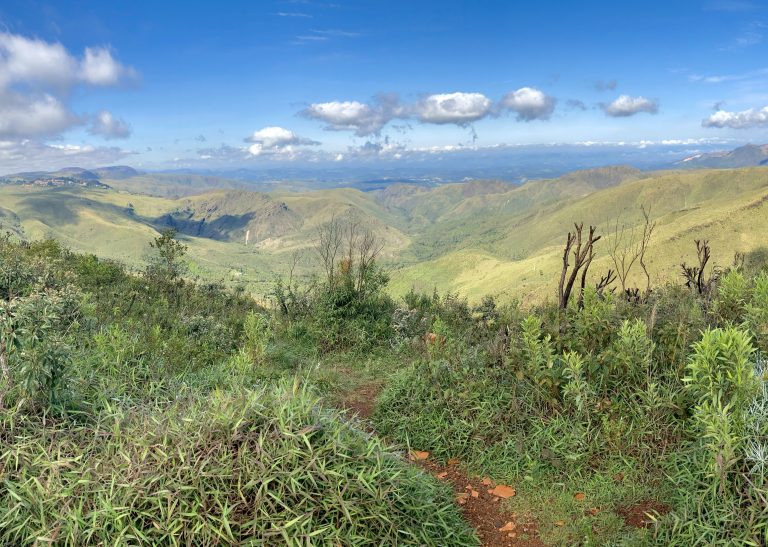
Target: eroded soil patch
639, 514
483, 508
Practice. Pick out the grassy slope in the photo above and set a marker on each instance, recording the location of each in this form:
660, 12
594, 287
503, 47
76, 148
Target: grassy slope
724, 206
476, 238
99, 222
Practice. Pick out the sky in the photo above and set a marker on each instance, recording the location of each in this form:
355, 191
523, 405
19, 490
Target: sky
164, 85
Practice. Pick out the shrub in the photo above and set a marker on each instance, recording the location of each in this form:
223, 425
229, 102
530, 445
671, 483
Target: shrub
756, 312
33, 349
732, 295
627, 363
256, 333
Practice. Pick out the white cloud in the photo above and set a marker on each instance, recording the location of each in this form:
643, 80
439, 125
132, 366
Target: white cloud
98, 67
224, 153
35, 82
720, 78
453, 108
276, 139
626, 105
35, 62
293, 14
362, 118
738, 120
35, 115
30, 155
106, 125
529, 103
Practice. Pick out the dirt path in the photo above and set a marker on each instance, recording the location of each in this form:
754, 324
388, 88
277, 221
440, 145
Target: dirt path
476, 497
480, 501
361, 401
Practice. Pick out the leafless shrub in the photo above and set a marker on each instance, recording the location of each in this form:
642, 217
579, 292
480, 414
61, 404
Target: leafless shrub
694, 275
628, 247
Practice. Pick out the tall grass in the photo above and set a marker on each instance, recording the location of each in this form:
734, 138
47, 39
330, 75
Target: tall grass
253, 467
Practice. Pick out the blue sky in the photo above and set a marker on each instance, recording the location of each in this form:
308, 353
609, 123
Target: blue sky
163, 85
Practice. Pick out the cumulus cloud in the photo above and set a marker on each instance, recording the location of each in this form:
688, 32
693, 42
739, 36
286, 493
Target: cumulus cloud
626, 105
34, 115
35, 77
106, 125
36, 80
744, 119
458, 108
34, 61
529, 103
363, 118
275, 139
30, 61
453, 108
98, 67
273, 143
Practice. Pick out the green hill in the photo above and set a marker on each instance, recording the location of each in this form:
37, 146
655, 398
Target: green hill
478, 237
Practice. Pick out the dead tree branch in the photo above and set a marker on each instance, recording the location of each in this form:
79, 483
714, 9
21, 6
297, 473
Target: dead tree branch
694, 275
583, 253
648, 229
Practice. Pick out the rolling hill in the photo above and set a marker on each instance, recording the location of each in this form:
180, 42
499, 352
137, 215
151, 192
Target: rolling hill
475, 238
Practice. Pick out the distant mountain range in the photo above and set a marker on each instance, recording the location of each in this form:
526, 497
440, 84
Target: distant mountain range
175, 184
744, 156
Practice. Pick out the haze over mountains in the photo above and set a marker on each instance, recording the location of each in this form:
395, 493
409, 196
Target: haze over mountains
744, 156
513, 166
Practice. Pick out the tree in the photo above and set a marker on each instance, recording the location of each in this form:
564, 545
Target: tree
648, 229
583, 254
167, 266
626, 248
348, 253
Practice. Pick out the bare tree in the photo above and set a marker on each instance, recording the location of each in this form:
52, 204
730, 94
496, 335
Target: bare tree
626, 248
623, 249
583, 253
328, 247
348, 251
605, 281
694, 275
368, 249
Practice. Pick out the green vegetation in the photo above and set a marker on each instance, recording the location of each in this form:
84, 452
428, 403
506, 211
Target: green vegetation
477, 238
147, 404
145, 409
658, 402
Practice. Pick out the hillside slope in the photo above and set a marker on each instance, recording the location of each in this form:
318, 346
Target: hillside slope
476, 238
521, 255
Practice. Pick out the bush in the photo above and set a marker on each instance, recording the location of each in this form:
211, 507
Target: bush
720, 474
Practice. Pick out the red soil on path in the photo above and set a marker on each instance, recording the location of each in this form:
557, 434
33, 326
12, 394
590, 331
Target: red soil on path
480, 507
483, 510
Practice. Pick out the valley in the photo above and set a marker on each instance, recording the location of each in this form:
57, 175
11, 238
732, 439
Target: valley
474, 238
